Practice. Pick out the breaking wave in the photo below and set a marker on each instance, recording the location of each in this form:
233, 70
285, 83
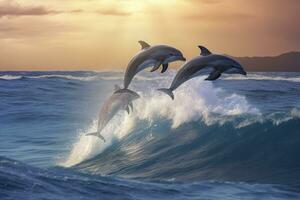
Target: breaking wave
196, 101
201, 131
69, 77
10, 77
60, 76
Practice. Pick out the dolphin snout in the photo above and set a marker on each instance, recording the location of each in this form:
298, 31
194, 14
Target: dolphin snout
244, 73
183, 58
136, 95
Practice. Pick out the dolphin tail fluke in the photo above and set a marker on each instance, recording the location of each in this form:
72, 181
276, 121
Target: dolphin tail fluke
168, 92
97, 134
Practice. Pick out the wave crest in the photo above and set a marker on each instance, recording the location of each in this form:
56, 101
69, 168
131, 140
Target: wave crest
196, 100
70, 77
10, 77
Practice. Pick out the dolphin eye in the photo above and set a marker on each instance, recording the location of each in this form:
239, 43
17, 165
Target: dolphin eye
171, 54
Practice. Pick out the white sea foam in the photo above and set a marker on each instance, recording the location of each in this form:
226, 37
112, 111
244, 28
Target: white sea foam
293, 114
276, 118
86, 147
112, 78
10, 77
195, 100
70, 77
261, 77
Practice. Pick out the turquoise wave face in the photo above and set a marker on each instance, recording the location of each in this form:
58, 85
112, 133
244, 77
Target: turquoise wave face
234, 129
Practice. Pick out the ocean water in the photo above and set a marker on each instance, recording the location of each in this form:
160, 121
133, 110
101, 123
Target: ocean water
234, 138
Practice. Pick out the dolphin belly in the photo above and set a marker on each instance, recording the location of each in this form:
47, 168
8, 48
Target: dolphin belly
135, 68
190, 73
202, 72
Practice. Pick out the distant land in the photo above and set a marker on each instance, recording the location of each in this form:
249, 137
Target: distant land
288, 62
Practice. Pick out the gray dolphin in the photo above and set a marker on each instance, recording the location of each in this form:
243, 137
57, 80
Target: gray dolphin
121, 99
151, 56
207, 62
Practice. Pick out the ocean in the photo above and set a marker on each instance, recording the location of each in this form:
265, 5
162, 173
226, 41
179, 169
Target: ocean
234, 138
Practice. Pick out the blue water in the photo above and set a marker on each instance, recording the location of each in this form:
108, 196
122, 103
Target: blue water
234, 138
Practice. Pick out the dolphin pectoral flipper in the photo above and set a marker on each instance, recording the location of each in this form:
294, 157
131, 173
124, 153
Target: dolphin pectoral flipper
204, 51
127, 109
213, 75
97, 134
144, 44
131, 106
165, 67
156, 66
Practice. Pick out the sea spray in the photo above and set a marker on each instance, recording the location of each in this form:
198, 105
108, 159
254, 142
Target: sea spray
86, 147
196, 100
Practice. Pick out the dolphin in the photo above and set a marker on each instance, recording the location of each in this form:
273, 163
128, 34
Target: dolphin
151, 56
121, 99
207, 62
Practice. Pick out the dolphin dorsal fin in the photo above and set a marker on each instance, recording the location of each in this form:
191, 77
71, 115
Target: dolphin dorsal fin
117, 88
204, 51
144, 44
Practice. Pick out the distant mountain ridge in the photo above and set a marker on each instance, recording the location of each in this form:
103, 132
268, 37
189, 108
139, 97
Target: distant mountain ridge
288, 62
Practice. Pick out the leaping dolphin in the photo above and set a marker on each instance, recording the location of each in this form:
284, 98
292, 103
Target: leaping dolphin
151, 56
121, 99
207, 62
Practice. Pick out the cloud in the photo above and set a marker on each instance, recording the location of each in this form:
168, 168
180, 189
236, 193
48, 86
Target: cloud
218, 17
113, 12
76, 11
33, 28
205, 1
11, 8
6, 28
210, 1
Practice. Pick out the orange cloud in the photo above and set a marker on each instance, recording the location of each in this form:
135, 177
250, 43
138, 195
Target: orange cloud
217, 17
113, 12
206, 1
10, 8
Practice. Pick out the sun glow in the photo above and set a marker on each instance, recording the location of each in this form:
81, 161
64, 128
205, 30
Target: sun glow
135, 6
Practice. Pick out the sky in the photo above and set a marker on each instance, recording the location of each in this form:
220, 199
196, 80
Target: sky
104, 34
